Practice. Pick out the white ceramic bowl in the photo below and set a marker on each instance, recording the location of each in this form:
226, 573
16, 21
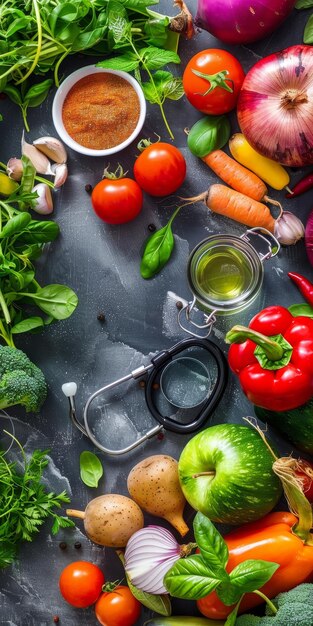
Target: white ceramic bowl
61, 94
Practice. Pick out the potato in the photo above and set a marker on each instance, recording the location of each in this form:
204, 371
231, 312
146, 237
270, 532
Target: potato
110, 520
154, 485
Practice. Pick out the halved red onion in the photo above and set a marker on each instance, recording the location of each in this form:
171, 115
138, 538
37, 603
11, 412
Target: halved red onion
275, 106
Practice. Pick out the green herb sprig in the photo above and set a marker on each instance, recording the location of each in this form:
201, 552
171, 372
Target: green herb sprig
196, 576
25, 503
21, 242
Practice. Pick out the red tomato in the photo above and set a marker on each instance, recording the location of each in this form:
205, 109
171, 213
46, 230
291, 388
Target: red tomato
160, 169
81, 583
118, 607
305, 473
205, 93
117, 201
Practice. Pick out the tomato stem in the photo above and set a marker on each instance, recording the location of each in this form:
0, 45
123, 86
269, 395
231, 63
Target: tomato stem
215, 80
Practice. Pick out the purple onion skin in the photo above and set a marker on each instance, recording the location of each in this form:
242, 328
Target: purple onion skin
242, 21
281, 132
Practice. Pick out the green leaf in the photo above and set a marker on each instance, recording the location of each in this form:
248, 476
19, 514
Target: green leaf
40, 232
304, 4
228, 593
161, 603
38, 93
154, 58
164, 85
15, 224
190, 578
20, 23
232, 617
210, 133
157, 31
56, 300
157, 252
211, 544
252, 574
27, 182
86, 40
91, 468
125, 62
308, 31
301, 309
118, 24
13, 94
27, 325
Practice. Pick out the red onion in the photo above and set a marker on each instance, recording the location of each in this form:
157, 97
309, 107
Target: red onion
149, 554
275, 106
242, 21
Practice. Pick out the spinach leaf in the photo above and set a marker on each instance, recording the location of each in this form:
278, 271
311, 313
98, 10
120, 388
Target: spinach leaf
157, 251
15, 225
56, 300
27, 325
91, 468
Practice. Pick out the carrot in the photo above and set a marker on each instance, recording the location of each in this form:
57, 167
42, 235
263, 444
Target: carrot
235, 175
225, 201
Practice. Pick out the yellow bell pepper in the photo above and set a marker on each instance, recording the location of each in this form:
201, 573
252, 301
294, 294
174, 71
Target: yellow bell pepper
7, 185
271, 172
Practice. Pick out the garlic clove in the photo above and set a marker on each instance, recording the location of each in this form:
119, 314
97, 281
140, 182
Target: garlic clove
39, 160
44, 203
288, 229
60, 174
53, 148
15, 169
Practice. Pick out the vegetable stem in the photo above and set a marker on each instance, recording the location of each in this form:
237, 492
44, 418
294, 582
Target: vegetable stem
5, 309
39, 43
75, 513
239, 334
267, 600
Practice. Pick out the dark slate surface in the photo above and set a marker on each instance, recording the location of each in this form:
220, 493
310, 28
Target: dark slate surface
101, 263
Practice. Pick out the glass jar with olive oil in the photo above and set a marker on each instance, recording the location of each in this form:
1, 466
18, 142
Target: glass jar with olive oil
225, 274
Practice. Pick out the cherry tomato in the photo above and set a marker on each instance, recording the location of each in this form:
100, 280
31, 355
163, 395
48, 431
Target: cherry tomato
118, 607
160, 169
117, 201
305, 473
81, 583
220, 72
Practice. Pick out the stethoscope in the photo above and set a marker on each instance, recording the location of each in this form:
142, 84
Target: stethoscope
176, 377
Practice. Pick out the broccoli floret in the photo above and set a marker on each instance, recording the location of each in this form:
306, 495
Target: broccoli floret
295, 608
21, 381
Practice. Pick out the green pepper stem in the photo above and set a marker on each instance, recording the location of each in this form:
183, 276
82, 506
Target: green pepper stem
239, 334
267, 600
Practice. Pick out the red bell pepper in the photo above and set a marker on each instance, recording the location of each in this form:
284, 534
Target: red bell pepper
274, 358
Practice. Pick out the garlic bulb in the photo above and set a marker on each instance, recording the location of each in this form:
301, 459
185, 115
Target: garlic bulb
288, 228
44, 203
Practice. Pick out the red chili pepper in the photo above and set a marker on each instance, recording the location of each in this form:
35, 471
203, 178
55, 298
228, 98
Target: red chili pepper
301, 186
304, 286
274, 358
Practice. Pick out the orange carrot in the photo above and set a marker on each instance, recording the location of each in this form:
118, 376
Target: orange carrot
225, 201
235, 175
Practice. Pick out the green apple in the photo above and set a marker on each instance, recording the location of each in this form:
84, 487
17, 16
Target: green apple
225, 472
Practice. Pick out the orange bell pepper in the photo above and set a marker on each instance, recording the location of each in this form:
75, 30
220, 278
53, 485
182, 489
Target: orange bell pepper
271, 538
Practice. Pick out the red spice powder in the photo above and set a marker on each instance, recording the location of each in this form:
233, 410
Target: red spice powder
101, 111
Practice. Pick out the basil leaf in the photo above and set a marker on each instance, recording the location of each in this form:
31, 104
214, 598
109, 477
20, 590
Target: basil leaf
232, 617
38, 93
125, 62
27, 325
88, 39
15, 224
211, 544
28, 180
301, 309
304, 4
157, 252
308, 31
56, 300
252, 574
229, 593
154, 58
91, 468
40, 232
13, 94
190, 578
208, 134
159, 603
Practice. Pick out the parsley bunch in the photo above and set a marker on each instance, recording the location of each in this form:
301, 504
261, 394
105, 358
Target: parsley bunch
25, 504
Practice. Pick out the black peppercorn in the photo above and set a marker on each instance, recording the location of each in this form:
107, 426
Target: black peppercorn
88, 188
151, 228
101, 317
63, 545
142, 383
77, 545
179, 304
